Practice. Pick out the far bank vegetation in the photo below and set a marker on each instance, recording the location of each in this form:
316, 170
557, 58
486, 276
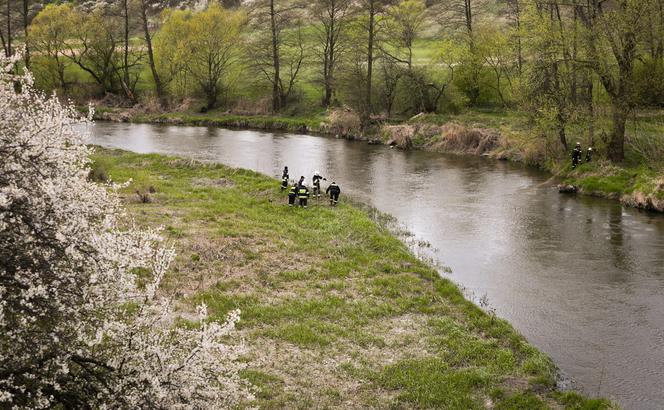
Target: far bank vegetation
544, 73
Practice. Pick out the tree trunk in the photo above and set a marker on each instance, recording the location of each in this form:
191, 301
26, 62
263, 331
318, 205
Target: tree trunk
276, 92
517, 15
367, 102
8, 49
211, 98
616, 148
591, 109
125, 69
468, 15
25, 32
153, 68
328, 58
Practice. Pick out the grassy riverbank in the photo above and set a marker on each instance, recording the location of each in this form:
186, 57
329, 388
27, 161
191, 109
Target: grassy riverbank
336, 311
638, 182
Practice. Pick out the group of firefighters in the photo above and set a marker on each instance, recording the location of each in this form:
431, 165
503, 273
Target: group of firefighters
300, 191
577, 153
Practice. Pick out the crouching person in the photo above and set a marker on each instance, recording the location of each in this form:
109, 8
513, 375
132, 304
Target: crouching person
333, 191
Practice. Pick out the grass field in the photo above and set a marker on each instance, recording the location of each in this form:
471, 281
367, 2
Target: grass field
336, 311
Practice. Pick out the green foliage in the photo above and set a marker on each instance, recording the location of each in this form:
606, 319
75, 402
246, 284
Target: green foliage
198, 49
649, 79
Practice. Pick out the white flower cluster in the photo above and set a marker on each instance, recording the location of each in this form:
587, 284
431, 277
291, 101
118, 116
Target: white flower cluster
81, 323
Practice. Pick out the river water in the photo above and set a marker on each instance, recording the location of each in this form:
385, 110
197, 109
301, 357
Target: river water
581, 278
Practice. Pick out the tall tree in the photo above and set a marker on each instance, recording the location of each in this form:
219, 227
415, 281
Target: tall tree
278, 50
94, 48
125, 50
612, 38
147, 37
48, 35
332, 17
373, 11
208, 45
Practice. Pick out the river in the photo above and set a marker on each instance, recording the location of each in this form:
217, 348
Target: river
582, 278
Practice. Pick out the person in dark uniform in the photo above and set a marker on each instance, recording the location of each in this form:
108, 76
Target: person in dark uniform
292, 193
284, 183
301, 181
576, 155
284, 174
303, 194
589, 154
333, 191
316, 181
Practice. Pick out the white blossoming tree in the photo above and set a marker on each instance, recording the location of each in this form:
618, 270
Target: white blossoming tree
81, 322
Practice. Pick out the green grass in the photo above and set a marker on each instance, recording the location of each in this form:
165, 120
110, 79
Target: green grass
336, 311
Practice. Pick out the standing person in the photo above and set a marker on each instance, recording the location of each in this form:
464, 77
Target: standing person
589, 154
284, 174
316, 181
333, 190
284, 183
303, 194
576, 155
301, 181
292, 193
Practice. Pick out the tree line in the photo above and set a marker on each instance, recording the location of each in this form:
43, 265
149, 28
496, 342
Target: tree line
567, 64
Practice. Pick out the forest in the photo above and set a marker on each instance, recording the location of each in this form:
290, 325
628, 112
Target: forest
579, 70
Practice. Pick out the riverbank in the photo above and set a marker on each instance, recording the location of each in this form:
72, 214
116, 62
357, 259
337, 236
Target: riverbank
328, 292
499, 135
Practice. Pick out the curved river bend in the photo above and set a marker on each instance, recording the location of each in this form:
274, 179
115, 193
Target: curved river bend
581, 278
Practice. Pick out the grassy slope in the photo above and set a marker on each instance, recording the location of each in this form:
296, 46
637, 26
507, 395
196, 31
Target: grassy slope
337, 312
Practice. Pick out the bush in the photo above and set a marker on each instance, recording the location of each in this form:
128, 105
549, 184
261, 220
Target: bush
81, 322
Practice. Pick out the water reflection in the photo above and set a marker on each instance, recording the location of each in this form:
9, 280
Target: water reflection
579, 277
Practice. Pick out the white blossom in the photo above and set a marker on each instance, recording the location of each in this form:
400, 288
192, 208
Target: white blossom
78, 326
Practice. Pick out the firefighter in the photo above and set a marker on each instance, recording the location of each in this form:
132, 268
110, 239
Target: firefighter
284, 183
303, 194
301, 181
292, 193
333, 190
589, 154
284, 174
316, 181
576, 155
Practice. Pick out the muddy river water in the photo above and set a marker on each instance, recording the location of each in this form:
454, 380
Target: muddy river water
581, 278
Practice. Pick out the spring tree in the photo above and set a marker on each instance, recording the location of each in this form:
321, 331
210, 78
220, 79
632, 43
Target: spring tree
82, 323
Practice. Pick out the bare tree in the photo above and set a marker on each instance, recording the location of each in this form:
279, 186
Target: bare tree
332, 16
147, 36
279, 44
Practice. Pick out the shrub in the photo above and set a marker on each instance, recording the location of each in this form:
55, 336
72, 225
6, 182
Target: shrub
82, 324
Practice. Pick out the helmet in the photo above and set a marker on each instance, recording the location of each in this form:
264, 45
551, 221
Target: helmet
317, 173
590, 149
578, 144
